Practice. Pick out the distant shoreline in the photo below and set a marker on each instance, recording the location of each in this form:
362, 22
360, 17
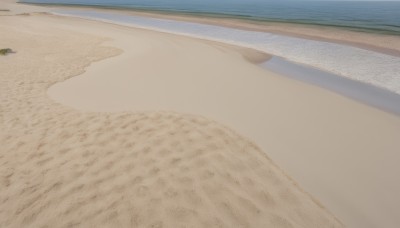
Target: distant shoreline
244, 18
253, 25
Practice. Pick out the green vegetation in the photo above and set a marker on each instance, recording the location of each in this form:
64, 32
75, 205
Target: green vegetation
5, 51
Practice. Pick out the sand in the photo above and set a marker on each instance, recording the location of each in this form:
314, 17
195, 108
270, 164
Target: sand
317, 136
107, 156
61, 167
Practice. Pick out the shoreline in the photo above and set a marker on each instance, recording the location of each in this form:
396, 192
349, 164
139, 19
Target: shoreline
384, 63
365, 93
359, 91
243, 18
312, 32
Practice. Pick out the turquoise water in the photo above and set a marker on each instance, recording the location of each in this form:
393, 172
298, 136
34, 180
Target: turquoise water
377, 17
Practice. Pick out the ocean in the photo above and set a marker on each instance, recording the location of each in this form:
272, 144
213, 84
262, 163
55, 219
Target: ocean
378, 17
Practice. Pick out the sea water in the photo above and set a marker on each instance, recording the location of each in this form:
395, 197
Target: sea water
378, 17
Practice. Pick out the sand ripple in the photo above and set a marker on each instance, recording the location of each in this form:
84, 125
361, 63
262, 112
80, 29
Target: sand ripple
63, 168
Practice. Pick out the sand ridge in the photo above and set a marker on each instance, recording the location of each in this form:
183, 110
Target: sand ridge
148, 170
61, 167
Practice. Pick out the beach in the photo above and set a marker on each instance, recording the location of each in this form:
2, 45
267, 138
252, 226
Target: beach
106, 125
387, 44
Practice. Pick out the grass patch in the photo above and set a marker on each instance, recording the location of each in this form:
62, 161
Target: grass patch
5, 51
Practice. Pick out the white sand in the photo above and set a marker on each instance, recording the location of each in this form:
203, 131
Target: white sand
61, 167
342, 152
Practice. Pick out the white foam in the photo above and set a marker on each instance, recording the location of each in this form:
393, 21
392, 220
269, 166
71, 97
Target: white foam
355, 63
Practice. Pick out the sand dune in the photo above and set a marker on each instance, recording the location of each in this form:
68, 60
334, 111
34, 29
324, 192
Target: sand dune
61, 167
